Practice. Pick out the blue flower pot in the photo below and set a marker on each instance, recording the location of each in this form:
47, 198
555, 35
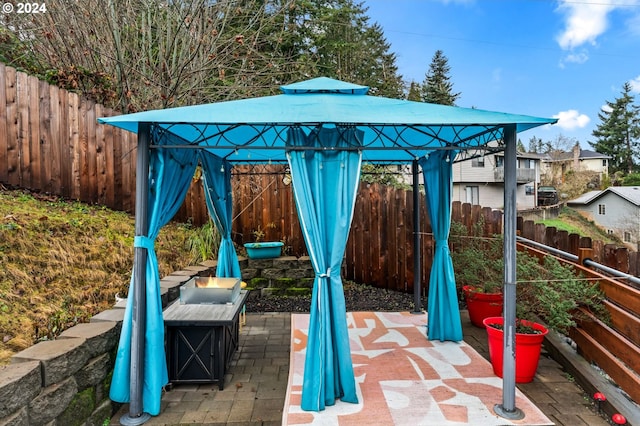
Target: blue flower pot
266, 250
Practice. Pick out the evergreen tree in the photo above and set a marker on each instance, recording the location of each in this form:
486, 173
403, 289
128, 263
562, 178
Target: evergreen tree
414, 92
341, 43
437, 87
618, 134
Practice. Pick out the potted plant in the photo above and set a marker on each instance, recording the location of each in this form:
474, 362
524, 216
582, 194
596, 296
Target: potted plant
548, 297
266, 249
478, 265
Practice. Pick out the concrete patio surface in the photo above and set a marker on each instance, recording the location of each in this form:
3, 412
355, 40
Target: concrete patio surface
256, 384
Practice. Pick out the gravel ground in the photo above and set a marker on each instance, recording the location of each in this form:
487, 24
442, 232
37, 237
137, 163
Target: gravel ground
358, 297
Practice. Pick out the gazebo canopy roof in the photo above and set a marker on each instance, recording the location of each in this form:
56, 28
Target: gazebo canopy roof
255, 129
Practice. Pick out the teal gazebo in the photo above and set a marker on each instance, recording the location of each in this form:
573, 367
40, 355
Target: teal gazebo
324, 129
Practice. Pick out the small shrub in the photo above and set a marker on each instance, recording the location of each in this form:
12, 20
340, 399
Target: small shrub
204, 243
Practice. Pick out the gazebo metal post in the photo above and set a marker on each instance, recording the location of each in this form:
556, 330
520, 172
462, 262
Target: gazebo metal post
417, 267
135, 415
508, 409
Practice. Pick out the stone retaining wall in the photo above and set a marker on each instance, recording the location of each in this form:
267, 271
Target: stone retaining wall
66, 381
282, 275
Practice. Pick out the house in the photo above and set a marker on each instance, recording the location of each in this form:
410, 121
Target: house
554, 166
616, 209
481, 180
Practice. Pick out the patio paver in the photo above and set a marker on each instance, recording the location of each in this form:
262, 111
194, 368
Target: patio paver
256, 383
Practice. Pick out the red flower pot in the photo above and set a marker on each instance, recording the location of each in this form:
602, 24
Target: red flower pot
528, 348
482, 305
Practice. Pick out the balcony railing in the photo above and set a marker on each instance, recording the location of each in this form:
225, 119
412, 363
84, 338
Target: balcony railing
522, 175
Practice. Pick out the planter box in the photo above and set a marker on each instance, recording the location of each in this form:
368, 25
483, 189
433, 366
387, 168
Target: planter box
266, 250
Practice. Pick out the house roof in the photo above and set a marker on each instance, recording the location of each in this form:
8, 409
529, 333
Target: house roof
585, 154
533, 155
629, 193
585, 198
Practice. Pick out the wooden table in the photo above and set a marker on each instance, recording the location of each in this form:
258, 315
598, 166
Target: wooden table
201, 340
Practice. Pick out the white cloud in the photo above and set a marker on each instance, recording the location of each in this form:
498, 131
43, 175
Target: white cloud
606, 108
575, 58
635, 84
584, 21
571, 120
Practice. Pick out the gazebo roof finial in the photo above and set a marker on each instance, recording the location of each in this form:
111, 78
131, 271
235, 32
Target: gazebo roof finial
324, 85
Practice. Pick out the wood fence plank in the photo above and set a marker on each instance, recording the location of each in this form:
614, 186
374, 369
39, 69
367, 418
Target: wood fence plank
35, 159
574, 243
625, 322
396, 254
83, 155
612, 340
101, 158
562, 238
128, 163
357, 239
388, 240
4, 136
621, 294
633, 263
409, 244
591, 350
13, 147
46, 143
111, 194
66, 155
539, 232
91, 165
74, 145
24, 153
371, 225
56, 182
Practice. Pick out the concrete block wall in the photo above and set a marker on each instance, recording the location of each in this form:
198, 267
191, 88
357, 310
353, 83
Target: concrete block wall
65, 382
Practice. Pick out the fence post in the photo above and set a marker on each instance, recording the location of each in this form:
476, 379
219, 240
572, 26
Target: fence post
584, 254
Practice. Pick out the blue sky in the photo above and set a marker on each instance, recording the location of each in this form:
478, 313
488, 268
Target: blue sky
545, 58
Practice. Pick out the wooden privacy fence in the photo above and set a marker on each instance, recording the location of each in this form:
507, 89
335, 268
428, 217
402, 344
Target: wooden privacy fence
51, 142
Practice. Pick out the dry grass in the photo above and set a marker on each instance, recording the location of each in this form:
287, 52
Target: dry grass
63, 262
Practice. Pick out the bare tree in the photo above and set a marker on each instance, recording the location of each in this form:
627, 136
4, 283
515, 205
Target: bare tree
144, 54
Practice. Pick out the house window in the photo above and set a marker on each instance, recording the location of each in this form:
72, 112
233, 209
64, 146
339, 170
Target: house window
528, 190
472, 194
627, 237
601, 209
499, 161
526, 163
604, 163
610, 231
477, 162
